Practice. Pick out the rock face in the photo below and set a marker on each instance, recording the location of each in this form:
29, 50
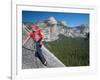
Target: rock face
49, 29
52, 28
29, 60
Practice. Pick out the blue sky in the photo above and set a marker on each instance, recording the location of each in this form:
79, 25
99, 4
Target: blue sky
72, 19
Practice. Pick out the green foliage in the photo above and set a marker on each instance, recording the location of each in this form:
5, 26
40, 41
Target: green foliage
71, 51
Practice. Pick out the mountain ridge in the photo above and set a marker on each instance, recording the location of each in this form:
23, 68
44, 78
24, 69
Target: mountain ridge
51, 29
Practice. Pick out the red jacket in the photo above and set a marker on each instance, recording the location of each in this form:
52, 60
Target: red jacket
36, 35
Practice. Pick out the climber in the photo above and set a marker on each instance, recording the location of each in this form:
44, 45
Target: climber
37, 36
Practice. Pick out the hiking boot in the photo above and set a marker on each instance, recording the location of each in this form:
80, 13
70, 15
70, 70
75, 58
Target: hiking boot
45, 63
